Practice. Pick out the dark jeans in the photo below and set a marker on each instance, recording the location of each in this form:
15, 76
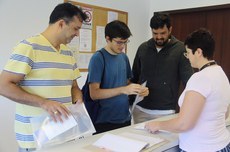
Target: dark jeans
225, 149
103, 127
26, 149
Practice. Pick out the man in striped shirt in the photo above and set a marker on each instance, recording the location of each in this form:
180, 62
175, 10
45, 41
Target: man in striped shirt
41, 73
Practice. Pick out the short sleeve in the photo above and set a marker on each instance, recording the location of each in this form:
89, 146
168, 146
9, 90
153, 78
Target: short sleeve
200, 84
22, 59
128, 67
96, 67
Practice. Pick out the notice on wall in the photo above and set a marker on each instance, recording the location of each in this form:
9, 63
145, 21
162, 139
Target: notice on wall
87, 24
100, 40
83, 60
85, 40
112, 16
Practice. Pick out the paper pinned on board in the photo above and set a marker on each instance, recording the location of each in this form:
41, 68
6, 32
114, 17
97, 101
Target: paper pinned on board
138, 98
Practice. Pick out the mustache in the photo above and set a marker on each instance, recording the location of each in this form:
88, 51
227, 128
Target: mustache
160, 39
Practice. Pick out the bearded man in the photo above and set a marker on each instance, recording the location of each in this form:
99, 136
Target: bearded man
161, 62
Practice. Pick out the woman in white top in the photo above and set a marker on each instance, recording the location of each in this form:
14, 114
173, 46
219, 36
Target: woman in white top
204, 103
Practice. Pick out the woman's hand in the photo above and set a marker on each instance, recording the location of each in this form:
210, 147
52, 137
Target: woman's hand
152, 127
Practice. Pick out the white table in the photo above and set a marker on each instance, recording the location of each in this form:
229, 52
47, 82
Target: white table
85, 145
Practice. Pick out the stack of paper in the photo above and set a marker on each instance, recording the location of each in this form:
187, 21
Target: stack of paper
147, 139
117, 143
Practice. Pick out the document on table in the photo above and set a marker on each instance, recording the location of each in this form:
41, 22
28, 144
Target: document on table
118, 143
138, 98
148, 139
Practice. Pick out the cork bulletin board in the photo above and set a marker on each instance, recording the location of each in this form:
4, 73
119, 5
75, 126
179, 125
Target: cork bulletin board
91, 36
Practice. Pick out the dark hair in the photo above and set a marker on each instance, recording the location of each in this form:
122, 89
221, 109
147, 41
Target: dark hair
116, 29
203, 39
159, 20
66, 11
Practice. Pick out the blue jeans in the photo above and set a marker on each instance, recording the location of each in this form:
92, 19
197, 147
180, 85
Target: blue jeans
225, 149
26, 149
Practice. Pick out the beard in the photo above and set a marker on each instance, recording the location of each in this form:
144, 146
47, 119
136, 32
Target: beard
161, 42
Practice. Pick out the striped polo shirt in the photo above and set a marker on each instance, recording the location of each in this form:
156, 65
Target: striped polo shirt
48, 72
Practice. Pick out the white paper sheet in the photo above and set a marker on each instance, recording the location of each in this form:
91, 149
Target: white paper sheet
85, 40
100, 40
112, 16
138, 98
83, 60
151, 140
87, 24
53, 129
117, 143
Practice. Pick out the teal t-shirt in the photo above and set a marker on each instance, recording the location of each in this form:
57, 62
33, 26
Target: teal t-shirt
117, 71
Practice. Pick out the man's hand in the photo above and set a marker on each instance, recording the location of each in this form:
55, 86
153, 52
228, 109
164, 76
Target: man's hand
145, 92
55, 109
136, 89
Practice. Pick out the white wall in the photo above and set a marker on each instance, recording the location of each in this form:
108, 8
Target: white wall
163, 5
24, 18
19, 19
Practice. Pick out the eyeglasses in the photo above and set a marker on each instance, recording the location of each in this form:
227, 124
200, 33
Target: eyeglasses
120, 42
